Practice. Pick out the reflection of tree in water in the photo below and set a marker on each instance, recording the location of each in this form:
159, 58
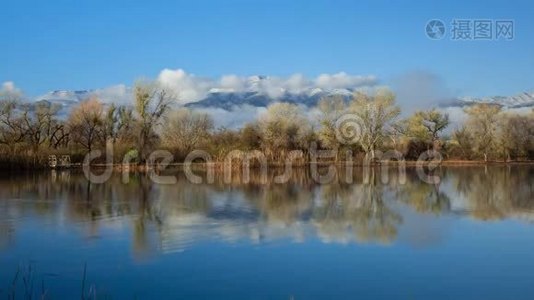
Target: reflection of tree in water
337, 211
479, 189
422, 196
285, 203
293, 205
7, 231
147, 214
522, 188
358, 208
497, 192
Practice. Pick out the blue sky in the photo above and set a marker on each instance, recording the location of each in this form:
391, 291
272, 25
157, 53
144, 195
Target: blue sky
48, 45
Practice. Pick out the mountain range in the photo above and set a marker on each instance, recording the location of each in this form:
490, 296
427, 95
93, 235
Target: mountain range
229, 99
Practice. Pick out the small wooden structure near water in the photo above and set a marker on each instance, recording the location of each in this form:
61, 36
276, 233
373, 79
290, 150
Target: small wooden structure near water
62, 162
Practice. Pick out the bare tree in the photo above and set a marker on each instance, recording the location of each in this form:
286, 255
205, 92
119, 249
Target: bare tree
86, 123
125, 125
463, 140
426, 126
152, 102
251, 136
185, 130
515, 135
11, 125
283, 127
27, 124
59, 135
109, 123
483, 124
39, 123
331, 108
376, 114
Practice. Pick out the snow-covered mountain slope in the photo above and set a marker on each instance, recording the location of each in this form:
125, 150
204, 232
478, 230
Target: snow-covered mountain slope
226, 100
65, 98
119, 94
525, 99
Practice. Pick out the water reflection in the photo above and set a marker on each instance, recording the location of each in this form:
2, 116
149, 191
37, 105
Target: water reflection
168, 218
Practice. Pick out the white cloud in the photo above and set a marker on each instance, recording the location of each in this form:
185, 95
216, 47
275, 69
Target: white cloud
232, 83
188, 87
239, 115
191, 88
9, 88
119, 94
343, 80
235, 117
297, 83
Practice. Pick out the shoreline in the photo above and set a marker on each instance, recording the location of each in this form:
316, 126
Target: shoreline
444, 163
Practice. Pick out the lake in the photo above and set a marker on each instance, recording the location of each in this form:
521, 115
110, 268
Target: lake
470, 236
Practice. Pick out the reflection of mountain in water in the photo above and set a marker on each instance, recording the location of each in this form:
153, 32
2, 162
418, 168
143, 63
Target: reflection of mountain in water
175, 217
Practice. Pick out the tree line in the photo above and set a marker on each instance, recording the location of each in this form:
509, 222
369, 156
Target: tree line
30, 131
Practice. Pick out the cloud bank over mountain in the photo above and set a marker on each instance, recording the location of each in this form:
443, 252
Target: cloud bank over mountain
191, 88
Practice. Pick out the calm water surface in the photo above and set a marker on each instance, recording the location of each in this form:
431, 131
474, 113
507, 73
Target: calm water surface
471, 236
